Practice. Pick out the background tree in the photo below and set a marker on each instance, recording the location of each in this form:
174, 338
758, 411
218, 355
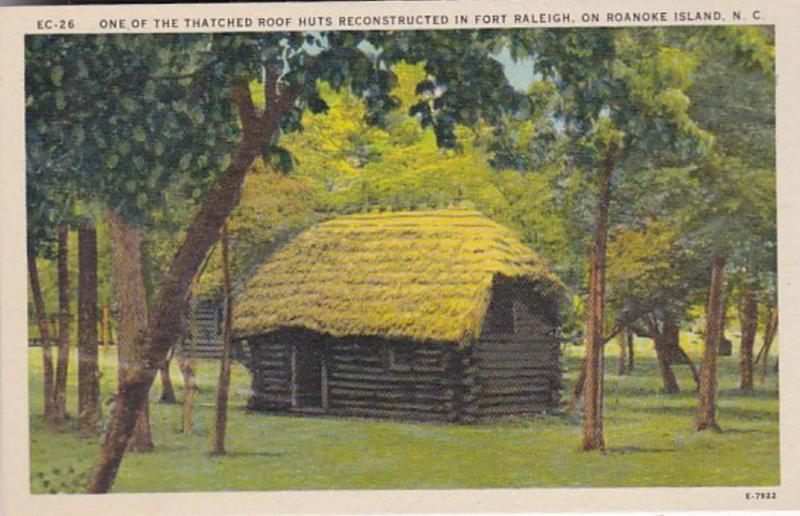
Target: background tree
221, 412
624, 94
739, 108
41, 216
64, 318
126, 248
88, 380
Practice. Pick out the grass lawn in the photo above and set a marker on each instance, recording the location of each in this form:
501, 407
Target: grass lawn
649, 437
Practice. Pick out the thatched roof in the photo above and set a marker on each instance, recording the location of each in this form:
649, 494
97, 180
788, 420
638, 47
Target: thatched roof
425, 276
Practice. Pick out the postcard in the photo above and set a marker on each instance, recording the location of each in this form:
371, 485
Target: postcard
382, 257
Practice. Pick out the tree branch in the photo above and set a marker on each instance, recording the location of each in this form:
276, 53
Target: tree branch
641, 332
614, 332
247, 111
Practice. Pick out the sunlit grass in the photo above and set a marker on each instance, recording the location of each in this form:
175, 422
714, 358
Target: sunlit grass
649, 437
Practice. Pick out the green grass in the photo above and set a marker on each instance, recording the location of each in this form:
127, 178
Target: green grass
649, 437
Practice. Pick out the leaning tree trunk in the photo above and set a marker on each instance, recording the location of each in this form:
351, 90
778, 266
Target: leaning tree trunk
44, 335
126, 252
88, 380
668, 380
672, 342
165, 326
749, 326
221, 418
60, 390
593, 386
706, 407
577, 388
769, 335
672, 335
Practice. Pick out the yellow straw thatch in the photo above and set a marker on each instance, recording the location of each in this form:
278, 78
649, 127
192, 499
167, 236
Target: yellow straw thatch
425, 276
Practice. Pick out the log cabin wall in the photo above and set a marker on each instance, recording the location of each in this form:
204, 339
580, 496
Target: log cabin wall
270, 368
414, 384
517, 358
513, 370
364, 377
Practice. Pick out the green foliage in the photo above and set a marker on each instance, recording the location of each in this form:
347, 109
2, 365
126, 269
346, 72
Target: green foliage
55, 480
128, 115
273, 208
343, 164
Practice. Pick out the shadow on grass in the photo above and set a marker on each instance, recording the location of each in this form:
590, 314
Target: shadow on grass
663, 409
755, 394
234, 454
745, 431
629, 450
748, 414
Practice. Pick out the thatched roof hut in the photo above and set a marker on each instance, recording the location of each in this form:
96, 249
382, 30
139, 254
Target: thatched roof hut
439, 286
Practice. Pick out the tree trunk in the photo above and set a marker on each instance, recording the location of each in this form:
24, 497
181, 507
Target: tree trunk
44, 336
88, 380
623, 359
221, 418
106, 328
188, 364
706, 408
672, 338
577, 389
769, 335
129, 286
189, 368
748, 312
629, 338
167, 390
62, 367
165, 327
141, 440
672, 341
692, 368
668, 380
593, 386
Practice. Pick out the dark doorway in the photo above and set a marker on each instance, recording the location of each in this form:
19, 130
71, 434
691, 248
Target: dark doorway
310, 376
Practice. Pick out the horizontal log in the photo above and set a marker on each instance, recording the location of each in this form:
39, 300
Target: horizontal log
522, 368
523, 359
270, 362
386, 377
271, 356
380, 368
379, 359
513, 390
405, 415
516, 401
395, 406
385, 386
339, 394
514, 410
